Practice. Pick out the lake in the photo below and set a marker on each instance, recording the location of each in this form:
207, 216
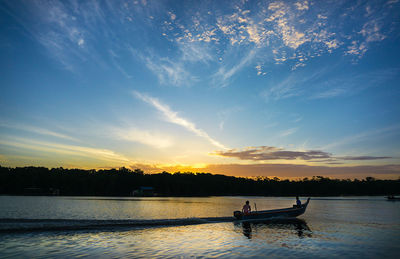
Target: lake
109, 227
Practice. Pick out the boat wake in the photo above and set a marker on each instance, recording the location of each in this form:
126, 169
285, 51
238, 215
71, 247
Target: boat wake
26, 225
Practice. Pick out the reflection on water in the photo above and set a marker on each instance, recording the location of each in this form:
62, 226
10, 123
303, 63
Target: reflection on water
247, 229
293, 226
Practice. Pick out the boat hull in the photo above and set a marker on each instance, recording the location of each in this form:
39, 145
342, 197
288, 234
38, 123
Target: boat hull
268, 214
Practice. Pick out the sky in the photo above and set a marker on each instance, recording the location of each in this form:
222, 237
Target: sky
286, 89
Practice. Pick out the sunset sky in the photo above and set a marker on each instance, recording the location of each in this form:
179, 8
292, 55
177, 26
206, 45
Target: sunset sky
246, 88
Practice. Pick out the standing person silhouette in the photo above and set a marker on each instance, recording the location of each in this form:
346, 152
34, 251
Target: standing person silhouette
298, 202
246, 208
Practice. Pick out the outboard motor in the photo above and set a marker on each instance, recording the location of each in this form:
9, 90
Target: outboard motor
238, 214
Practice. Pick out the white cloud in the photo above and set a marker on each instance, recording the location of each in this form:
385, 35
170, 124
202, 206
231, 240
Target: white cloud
357, 49
254, 33
302, 5
260, 70
290, 36
296, 32
81, 42
173, 117
172, 16
241, 28
275, 5
333, 44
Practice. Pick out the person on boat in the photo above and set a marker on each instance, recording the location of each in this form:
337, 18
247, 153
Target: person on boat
246, 208
298, 202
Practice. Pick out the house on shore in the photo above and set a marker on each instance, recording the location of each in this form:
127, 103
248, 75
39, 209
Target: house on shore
143, 191
34, 191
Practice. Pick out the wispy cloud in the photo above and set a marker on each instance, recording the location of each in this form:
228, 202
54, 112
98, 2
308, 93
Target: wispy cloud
61, 34
363, 157
224, 74
169, 72
287, 88
288, 132
225, 114
65, 29
350, 84
391, 2
330, 93
41, 131
173, 117
266, 153
114, 58
156, 140
363, 136
68, 30
297, 118
75, 150
322, 85
195, 52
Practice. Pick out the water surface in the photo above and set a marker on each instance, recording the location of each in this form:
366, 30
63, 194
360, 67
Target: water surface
195, 227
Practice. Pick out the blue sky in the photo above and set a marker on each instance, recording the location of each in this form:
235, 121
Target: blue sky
272, 88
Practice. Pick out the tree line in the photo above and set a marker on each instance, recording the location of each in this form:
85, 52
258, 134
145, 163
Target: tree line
123, 181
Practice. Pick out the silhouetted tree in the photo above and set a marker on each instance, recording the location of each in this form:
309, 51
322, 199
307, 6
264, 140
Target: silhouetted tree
122, 181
